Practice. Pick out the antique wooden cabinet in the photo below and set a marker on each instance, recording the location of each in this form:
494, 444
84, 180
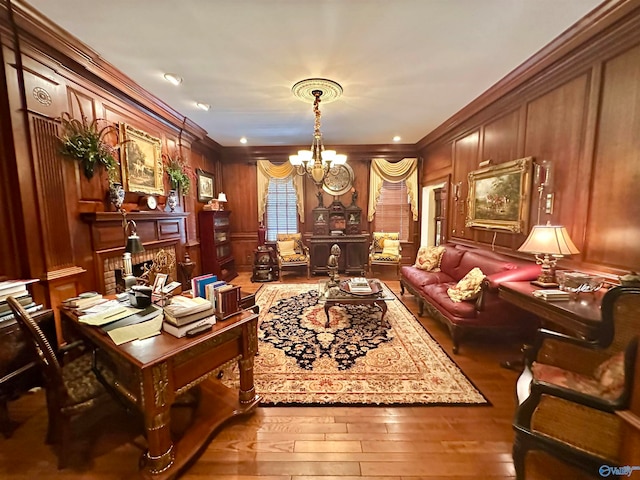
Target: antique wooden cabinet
353, 256
216, 253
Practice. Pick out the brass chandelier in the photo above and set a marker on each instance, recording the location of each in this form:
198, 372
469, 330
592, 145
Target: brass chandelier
317, 162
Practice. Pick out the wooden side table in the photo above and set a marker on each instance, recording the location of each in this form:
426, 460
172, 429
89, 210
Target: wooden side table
265, 265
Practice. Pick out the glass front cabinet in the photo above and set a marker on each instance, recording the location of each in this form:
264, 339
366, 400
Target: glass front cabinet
215, 244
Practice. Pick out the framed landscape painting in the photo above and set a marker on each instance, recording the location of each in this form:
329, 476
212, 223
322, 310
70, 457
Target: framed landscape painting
499, 196
142, 161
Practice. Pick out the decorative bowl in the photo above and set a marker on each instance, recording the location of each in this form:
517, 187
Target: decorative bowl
578, 282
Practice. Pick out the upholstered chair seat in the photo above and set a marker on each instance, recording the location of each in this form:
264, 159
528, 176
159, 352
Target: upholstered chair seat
571, 388
292, 252
385, 249
71, 387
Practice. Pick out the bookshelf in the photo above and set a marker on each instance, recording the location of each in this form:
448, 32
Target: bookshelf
216, 252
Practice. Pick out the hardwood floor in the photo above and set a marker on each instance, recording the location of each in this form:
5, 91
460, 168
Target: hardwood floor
306, 443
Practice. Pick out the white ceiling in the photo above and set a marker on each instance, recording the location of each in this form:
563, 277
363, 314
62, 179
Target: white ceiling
405, 65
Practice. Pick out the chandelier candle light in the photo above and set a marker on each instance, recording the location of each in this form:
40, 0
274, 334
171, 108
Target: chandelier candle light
317, 161
548, 242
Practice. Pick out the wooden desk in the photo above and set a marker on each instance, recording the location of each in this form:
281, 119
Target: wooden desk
151, 373
579, 317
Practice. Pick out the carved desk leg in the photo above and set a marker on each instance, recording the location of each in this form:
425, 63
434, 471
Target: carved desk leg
156, 405
247, 394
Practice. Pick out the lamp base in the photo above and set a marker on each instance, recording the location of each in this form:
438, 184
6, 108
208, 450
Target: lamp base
540, 284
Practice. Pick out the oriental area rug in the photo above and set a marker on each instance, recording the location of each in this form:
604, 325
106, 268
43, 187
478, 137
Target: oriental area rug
356, 360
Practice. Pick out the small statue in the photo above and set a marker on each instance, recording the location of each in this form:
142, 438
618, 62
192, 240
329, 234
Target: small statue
354, 196
320, 198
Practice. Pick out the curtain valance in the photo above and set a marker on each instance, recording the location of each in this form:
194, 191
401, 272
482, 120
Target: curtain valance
405, 170
266, 171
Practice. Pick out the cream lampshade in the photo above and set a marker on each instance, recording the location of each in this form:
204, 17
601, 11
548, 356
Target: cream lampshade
548, 243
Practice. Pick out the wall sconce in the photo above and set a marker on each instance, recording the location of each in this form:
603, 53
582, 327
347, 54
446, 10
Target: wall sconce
456, 191
543, 177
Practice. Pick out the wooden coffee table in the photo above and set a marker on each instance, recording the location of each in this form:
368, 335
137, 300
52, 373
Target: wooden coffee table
341, 294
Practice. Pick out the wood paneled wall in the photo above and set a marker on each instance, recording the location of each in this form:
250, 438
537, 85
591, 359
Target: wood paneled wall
45, 193
580, 110
240, 186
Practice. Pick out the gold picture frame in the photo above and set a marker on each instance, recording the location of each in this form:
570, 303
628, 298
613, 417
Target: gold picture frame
142, 168
500, 195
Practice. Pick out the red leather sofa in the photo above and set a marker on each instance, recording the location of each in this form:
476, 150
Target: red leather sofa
487, 312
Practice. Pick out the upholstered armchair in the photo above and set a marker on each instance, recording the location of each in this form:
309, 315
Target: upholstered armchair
292, 252
385, 249
71, 387
570, 389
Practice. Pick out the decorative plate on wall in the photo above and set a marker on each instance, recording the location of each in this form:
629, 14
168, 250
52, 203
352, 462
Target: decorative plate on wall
339, 180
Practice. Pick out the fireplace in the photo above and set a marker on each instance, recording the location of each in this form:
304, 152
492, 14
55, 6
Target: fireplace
157, 231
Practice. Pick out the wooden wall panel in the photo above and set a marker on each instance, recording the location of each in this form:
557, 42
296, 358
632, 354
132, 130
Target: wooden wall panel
556, 132
613, 230
437, 163
465, 156
500, 139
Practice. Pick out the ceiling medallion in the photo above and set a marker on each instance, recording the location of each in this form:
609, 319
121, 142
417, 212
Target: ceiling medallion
329, 89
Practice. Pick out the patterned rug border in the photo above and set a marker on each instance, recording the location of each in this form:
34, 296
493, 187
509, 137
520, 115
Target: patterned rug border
486, 403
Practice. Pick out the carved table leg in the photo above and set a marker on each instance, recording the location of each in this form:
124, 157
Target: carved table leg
383, 306
157, 400
247, 394
327, 306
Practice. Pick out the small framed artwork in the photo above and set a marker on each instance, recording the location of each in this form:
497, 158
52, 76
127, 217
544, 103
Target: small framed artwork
142, 161
206, 190
158, 283
499, 196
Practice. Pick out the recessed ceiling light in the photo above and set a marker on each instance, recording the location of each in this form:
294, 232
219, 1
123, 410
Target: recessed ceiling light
243, 140
173, 78
203, 106
397, 138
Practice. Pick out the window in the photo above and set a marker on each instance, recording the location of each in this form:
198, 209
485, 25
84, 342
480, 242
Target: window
393, 211
281, 211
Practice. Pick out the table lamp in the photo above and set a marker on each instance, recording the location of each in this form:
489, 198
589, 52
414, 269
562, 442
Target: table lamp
134, 245
222, 199
548, 243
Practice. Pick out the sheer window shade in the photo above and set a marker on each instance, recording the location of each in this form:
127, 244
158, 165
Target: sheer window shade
281, 208
393, 211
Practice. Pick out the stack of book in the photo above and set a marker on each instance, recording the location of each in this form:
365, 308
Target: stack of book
359, 285
18, 290
84, 301
551, 295
184, 314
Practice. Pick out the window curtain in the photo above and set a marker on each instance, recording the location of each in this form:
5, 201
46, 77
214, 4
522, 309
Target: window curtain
267, 171
406, 170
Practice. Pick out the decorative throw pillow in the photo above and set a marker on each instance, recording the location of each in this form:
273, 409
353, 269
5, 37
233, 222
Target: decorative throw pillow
429, 258
468, 288
610, 374
287, 247
391, 247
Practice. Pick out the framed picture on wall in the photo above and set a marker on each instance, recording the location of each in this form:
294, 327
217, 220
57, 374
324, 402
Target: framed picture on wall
206, 186
500, 195
141, 161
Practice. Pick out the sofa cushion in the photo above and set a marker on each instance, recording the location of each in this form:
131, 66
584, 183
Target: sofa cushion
437, 293
428, 258
486, 261
451, 259
468, 287
419, 278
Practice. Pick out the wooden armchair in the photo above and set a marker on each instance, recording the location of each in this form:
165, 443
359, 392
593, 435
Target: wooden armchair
385, 249
71, 388
570, 389
292, 252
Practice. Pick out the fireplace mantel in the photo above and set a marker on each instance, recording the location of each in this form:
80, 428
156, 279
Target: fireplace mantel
108, 238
